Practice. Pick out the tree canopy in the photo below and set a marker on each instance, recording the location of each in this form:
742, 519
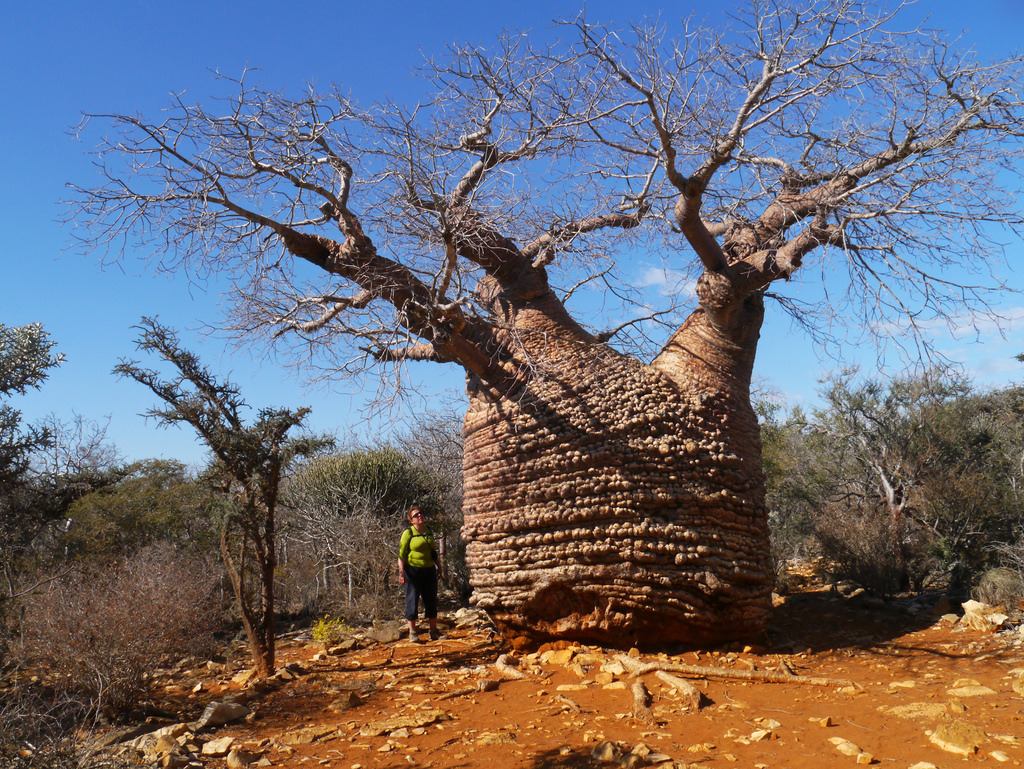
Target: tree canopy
828, 129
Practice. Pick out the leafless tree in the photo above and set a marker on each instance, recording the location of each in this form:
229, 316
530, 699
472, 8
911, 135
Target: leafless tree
812, 138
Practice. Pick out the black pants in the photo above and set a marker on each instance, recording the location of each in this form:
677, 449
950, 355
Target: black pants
420, 582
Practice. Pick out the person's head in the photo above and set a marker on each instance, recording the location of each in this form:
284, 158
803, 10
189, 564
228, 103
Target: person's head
415, 515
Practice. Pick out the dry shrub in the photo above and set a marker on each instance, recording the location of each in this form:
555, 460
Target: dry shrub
999, 587
40, 731
99, 634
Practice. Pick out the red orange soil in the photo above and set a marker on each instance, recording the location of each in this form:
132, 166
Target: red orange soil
912, 675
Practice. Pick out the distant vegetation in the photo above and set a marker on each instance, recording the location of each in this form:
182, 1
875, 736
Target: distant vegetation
911, 483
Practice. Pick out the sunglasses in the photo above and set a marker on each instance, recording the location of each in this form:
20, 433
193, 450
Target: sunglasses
417, 515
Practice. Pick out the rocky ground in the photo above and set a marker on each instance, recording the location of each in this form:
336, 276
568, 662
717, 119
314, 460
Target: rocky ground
840, 681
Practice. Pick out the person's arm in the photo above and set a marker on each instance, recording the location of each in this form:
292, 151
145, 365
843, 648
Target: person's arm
403, 553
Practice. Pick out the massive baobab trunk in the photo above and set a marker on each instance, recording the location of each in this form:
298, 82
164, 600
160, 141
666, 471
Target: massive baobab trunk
615, 501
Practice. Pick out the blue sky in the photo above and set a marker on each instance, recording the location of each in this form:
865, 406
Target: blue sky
59, 59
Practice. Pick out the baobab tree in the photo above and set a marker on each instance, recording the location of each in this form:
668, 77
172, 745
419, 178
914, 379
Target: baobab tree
611, 493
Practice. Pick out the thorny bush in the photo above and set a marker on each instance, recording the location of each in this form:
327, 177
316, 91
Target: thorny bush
99, 634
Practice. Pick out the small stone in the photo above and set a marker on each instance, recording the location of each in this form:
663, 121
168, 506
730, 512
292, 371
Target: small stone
240, 759
999, 755
219, 747
558, 656
970, 691
174, 761
606, 751
345, 702
845, 747
958, 737
924, 765
220, 713
865, 758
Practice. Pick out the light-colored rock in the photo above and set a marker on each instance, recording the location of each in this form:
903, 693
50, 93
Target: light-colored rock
981, 617
959, 737
970, 691
218, 714
999, 755
388, 725
606, 751
240, 759
924, 765
558, 656
218, 747
307, 735
928, 711
848, 748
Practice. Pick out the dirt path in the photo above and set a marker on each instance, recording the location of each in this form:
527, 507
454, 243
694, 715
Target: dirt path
921, 690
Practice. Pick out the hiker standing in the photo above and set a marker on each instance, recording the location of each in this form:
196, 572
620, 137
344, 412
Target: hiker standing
418, 569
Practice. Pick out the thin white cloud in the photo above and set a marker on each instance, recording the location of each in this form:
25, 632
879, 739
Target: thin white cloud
667, 282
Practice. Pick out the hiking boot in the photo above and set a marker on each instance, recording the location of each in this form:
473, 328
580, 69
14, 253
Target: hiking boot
434, 635
414, 637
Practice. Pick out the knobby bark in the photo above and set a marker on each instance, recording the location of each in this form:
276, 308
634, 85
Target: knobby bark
615, 501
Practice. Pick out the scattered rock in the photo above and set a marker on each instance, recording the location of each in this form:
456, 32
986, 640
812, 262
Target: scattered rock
959, 737
385, 633
240, 759
970, 691
218, 747
982, 617
388, 725
244, 677
848, 748
218, 714
928, 711
346, 701
557, 656
306, 735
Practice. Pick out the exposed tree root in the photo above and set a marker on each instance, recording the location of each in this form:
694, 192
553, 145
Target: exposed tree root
505, 667
638, 668
642, 702
691, 694
571, 704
